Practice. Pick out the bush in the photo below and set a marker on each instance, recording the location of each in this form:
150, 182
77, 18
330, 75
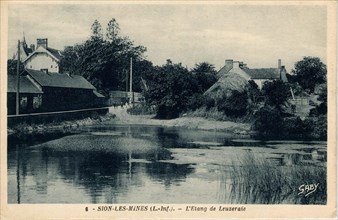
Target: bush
167, 112
320, 128
196, 101
209, 103
268, 122
211, 113
296, 128
321, 109
236, 105
276, 93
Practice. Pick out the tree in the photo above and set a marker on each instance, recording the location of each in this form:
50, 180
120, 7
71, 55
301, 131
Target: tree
204, 67
96, 30
253, 90
12, 66
106, 63
112, 29
205, 75
309, 72
268, 121
170, 88
321, 109
68, 60
142, 69
276, 93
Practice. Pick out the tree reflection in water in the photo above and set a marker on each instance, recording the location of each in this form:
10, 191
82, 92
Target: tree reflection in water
105, 172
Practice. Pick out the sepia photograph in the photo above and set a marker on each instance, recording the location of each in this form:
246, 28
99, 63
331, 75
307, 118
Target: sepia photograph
118, 106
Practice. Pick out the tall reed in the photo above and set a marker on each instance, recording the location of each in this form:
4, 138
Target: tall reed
257, 180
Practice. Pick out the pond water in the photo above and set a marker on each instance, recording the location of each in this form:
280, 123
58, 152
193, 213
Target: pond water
143, 164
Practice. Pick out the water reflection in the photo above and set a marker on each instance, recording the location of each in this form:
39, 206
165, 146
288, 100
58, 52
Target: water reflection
168, 173
105, 174
135, 164
304, 158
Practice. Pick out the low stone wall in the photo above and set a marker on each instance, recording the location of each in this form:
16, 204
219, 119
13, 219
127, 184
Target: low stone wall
49, 117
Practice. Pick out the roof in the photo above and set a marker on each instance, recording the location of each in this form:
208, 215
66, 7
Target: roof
60, 80
97, 94
225, 85
263, 73
224, 70
55, 52
26, 86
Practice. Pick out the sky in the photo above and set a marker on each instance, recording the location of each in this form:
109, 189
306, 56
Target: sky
188, 33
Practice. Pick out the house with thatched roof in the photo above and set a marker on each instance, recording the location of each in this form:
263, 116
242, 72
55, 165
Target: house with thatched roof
258, 75
234, 75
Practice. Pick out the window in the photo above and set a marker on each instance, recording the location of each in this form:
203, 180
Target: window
23, 102
37, 101
51, 66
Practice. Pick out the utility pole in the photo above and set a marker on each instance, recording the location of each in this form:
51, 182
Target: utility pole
131, 81
18, 82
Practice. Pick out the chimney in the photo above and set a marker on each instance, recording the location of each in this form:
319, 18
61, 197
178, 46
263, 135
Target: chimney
235, 64
229, 63
43, 42
244, 65
32, 46
279, 63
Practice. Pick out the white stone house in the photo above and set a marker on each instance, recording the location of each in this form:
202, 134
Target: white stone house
43, 58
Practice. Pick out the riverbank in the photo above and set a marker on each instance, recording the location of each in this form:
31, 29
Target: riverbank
122, 117
24, 128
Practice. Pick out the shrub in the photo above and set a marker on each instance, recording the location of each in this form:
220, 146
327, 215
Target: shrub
236, 105
296, 128
320, 128
196, 101
268, 121
276, 93
209, 103
321, 109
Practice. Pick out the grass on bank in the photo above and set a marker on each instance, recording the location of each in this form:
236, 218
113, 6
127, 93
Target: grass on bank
260, 181
214, 114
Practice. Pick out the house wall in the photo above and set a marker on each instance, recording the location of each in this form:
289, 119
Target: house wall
58, 99
259, 82
29, 103
42, 61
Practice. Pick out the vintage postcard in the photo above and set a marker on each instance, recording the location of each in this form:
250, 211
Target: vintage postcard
168, 110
